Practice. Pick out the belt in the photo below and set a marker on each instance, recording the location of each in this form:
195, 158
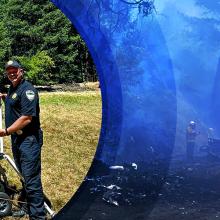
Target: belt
24, 133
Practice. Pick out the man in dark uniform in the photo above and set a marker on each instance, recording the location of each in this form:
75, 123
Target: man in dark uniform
23, 124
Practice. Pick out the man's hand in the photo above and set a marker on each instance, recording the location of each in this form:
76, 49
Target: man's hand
3, 96
3, 133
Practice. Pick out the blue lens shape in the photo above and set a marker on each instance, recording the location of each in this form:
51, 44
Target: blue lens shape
158, 65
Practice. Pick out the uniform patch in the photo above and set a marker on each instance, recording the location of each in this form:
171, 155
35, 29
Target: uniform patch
14, 96
30, 95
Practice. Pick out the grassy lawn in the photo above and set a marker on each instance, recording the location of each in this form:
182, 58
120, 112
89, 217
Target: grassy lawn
71, 123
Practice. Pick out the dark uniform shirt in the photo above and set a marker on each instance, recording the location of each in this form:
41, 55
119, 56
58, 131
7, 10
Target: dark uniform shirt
23, 100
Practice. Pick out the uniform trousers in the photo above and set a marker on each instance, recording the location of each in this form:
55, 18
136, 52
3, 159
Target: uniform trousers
190, 148
27, 155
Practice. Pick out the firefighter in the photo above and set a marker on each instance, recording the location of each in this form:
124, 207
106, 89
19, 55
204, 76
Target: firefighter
191, 134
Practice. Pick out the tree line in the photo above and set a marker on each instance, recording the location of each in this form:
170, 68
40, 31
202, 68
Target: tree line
38, 35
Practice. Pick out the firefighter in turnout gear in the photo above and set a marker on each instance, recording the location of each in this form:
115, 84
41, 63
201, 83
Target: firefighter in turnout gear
191, 134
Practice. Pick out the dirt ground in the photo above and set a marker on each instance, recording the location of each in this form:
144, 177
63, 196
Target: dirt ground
190, 191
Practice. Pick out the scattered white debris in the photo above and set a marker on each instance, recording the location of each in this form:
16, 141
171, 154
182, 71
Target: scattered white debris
181, 208
116, 167
111, 201
112, 187
134, 165
115, 203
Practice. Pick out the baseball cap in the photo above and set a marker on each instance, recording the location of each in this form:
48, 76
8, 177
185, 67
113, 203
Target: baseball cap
12, 63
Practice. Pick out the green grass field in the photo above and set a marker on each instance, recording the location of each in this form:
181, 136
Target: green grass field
71, 123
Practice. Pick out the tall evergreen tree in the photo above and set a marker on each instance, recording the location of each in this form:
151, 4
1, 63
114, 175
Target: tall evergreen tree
35, 31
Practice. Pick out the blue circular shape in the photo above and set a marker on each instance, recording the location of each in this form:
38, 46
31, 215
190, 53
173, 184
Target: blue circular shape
139, 108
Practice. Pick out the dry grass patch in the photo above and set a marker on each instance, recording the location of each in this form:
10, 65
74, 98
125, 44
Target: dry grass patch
71, 124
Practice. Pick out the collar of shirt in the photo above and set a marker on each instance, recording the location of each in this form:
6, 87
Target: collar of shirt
12, 88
